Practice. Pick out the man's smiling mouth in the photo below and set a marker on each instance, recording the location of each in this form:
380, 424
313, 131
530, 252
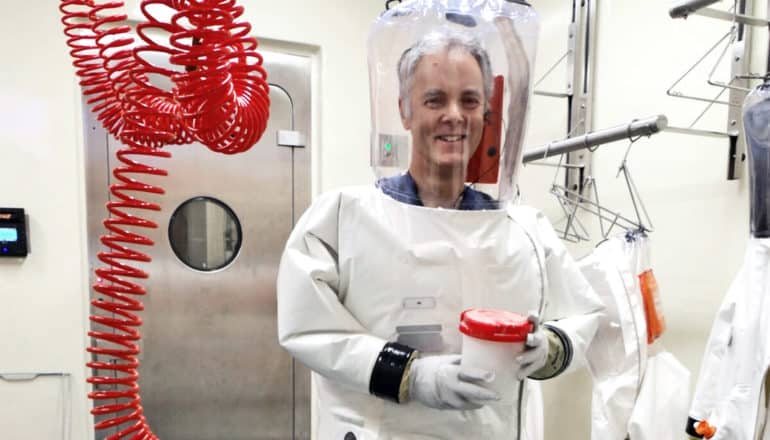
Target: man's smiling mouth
451, 137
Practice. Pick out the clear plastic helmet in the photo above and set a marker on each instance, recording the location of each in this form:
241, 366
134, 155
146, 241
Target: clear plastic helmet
450, 82
756, 124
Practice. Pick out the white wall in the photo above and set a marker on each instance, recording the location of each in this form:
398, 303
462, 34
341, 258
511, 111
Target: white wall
700, 218
43, 313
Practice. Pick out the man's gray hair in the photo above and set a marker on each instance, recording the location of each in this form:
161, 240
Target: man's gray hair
436, 42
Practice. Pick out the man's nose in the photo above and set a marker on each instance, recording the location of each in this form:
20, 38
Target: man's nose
453, 113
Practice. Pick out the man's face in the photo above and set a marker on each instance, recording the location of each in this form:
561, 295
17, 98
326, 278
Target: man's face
447, 109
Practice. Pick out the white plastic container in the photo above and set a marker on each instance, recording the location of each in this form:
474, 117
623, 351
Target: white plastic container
491, 341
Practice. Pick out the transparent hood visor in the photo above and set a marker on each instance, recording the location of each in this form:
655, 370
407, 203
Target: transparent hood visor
756, 122
450, 83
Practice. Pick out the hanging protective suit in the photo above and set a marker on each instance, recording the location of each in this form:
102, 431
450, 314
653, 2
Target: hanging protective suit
662, 399
617, 356
636, 395
730, 400
374, 279
728, 395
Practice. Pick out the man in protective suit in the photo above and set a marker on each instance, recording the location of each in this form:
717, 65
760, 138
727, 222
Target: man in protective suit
373, 279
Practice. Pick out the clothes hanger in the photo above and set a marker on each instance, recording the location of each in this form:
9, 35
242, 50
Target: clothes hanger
588, 201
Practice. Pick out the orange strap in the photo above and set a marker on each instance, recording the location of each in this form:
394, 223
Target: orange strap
703, 428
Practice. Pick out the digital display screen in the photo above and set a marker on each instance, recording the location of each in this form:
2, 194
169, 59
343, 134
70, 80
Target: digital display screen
9, 234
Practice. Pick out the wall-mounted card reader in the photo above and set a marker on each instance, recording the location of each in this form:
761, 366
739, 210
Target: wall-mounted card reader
13, 233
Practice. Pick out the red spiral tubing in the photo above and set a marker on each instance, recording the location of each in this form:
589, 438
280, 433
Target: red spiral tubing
219, 98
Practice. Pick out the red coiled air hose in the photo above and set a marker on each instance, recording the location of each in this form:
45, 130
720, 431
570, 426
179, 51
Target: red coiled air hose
220, 87
220, 99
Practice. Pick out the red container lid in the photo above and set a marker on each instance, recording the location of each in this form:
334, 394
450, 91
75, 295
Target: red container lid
495, 325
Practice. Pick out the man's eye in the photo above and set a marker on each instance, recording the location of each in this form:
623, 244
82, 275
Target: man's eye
471, 102
433, 102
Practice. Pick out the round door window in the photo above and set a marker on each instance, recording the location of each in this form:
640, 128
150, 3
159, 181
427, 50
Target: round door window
205, 233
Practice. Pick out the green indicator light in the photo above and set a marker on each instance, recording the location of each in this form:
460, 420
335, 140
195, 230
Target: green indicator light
388, 147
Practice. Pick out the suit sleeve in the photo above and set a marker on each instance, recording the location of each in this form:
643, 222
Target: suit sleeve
313, 324
573, 310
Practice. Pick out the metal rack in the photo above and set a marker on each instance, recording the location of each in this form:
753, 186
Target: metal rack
635, 128
573, 198
738, 47
66, 393
579, 93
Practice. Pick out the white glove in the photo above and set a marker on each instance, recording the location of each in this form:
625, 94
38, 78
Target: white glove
436, 382
535, 355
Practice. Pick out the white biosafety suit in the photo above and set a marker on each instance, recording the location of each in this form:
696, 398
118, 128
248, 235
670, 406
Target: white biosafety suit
639, 391
374, 279
617, 356
362, 269
731, 394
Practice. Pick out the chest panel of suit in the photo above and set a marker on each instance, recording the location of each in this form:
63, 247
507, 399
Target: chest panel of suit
422, 267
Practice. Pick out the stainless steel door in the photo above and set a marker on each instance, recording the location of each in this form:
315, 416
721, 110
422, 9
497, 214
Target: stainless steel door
211, 367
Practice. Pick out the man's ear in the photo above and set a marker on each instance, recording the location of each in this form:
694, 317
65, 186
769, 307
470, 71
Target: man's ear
402, 111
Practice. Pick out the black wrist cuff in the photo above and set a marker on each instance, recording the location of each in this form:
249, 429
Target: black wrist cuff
389, 370
690, 428
566, 354
568, 349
